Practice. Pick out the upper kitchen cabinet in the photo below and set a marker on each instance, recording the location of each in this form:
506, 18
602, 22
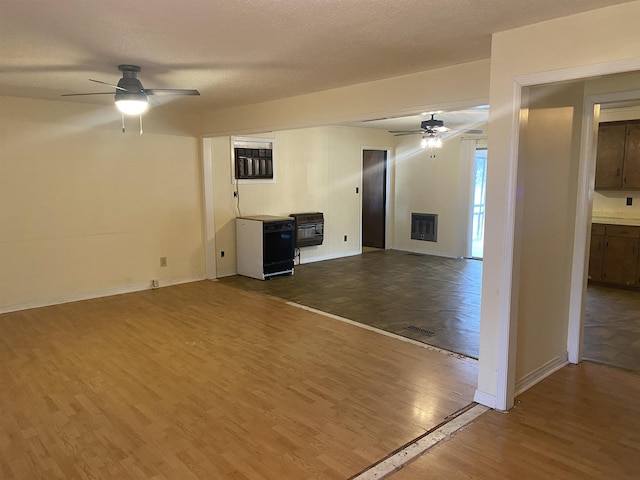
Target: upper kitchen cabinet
631, 178
618, 156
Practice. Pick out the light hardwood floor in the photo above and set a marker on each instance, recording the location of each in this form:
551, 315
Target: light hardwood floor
581, 423
205, 381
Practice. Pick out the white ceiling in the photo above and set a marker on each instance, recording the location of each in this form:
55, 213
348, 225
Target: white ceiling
238, 52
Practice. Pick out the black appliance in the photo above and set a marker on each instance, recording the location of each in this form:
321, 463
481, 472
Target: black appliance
309, 228
265, 246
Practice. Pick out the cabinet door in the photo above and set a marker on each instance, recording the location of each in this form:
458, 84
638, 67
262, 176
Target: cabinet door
610, 155
620, 260
598, 229
631, 177
596, 255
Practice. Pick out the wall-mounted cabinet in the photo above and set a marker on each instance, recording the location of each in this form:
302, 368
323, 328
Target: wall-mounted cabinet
252, 160
613, 255
618, 156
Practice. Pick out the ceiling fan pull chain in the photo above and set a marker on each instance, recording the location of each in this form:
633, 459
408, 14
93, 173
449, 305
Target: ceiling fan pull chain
140, 124
123, 123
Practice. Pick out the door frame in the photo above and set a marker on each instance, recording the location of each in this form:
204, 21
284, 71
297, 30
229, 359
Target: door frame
208, 212
582, 238
388, 195
507, 320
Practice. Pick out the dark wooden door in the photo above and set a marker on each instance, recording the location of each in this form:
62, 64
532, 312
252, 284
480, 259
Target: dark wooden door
610, 154
374, 197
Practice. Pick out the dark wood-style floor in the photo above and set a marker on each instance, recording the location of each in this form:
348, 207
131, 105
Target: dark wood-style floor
436, 300
612, 327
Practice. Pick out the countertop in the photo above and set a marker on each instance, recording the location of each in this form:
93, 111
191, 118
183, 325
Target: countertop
267, 218
615, 220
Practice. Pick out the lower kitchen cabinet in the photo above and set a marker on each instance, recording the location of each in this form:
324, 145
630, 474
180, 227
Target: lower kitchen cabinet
613, 256
596, 257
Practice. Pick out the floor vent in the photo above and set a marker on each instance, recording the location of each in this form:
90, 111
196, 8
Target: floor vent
417, 254
421, 331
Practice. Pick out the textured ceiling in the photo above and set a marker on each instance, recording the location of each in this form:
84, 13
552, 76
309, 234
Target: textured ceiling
238, 52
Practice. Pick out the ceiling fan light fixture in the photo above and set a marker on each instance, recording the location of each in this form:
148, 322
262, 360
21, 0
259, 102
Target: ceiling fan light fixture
132, 106
130, 96
431, 140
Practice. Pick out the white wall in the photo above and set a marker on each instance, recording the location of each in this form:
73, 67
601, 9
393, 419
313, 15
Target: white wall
548, 171
432, 181
459, 86
316, 169
556, 49
319, 169
87, 211
344, 176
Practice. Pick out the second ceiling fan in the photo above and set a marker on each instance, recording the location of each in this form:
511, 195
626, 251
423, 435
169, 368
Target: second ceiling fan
432, 126
430, 131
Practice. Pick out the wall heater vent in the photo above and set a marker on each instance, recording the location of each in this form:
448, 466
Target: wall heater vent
424, 226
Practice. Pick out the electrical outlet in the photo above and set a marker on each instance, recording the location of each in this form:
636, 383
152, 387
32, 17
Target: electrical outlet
163, 261
222, 254
235, 194
345, 238
629, 201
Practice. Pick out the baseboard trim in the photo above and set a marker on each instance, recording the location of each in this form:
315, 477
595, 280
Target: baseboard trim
540, 373
226, 273
321, 258
98, 294
485, 399
430, 254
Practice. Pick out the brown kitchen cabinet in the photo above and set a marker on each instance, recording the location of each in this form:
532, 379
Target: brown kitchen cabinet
618, 156
631, 178
596, 253
613, 256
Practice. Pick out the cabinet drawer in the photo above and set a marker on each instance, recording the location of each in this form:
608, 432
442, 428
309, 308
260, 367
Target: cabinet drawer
598, 228
623, 231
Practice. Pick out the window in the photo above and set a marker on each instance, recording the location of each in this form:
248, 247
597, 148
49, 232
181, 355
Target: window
478, 200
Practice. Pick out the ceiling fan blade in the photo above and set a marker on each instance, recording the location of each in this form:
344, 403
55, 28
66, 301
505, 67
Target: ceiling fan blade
407, 132
476, 132
170, 91
110, 84
79, 94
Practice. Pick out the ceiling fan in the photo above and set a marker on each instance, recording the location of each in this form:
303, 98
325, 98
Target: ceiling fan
131, 97
430, 131
431, 126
